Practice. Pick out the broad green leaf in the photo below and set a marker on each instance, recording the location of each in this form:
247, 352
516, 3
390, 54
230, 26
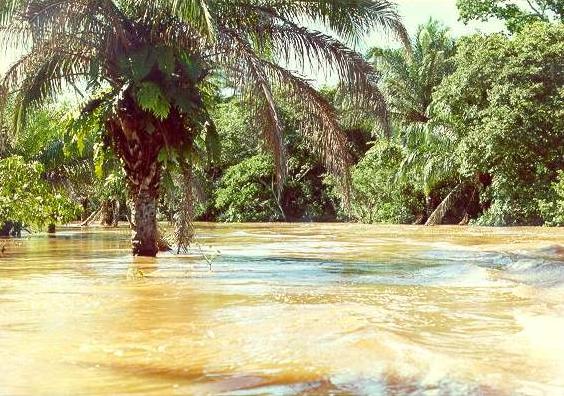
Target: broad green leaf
151, 98
192, 67
166, 59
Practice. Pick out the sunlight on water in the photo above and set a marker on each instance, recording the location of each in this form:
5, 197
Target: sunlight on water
286, 310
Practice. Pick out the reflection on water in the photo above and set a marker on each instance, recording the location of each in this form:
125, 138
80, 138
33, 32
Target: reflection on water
285, 310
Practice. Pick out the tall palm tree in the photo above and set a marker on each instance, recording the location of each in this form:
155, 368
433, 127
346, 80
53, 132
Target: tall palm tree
430, 161
410, 78
153, 60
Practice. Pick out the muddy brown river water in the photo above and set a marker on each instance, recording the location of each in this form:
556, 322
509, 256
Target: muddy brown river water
302, 309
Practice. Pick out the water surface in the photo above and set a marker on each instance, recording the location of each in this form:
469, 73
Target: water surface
286, 310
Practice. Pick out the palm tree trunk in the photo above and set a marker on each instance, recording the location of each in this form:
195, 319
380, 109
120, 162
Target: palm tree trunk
440, 212
145, 233
5, 229
116, 209
107, 213
139, 149
138, 138
84, 215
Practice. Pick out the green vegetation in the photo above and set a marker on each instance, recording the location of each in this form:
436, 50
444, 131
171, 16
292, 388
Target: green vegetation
505, 104
26, 198
246, 192
552, 209
379, 196
516, 15
211, 125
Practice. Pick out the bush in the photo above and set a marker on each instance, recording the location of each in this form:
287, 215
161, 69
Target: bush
505, 103
246, 192
553, 210
378, 196
26, 198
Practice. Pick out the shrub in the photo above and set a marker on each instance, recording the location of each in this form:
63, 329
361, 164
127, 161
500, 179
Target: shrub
246, 192
26, 198
378, 196
552, 210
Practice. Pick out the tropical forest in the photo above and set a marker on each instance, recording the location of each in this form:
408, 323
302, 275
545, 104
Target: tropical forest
282, 197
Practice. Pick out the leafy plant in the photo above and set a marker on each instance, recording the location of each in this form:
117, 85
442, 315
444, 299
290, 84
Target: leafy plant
27, 198
515, 15
552, 210
377, 194
504, 102
246, 192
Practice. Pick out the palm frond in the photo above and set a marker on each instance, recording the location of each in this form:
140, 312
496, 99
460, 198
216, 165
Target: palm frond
320, 122
349, 19
41, 75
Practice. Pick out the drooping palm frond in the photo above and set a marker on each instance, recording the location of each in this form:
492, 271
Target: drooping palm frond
39, 77
430, 155
319, 116
358, 80
349, 19
8, 10
319, 122
267, 119
411, 79
290, 43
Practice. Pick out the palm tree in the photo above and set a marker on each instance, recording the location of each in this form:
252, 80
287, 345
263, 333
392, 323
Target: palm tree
153, 61
430, 161
410, 78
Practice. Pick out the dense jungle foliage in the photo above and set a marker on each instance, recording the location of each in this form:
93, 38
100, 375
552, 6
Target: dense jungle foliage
477, 136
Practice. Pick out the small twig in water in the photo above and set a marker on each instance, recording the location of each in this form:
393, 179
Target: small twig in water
209, 259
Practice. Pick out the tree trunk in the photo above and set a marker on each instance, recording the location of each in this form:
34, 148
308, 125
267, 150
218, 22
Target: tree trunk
145, 233
420, 219
465, 219
117, 208
139, 149
438, 215
84, 216
51, 229
91, 218
5, 229
428, 205
107, 214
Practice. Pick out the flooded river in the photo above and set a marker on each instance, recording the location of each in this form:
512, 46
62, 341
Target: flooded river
286, 310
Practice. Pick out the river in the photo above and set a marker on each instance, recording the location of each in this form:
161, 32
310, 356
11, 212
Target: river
281, 309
